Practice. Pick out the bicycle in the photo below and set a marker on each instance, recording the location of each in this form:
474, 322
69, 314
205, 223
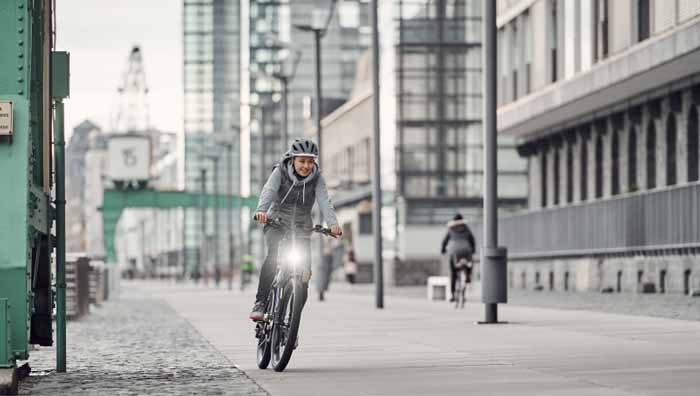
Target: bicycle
463, 266
277, 333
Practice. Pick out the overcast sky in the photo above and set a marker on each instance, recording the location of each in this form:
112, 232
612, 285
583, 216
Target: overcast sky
99, 35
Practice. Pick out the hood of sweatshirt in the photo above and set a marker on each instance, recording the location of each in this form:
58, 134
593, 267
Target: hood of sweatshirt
296, 181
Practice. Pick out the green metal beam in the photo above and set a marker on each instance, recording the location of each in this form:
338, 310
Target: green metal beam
115, 201
23, 207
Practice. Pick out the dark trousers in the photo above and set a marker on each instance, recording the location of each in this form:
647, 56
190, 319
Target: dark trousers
453, 275
273, 237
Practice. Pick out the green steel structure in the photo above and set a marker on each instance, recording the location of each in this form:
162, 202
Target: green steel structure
26, 300
115, 201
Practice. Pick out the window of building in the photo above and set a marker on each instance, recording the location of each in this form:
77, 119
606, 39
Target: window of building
570, 172
693, 144
553, 38
556, 175
651, 155
632, 160
598, 166
543, 177
527, 44
602, 29
615, 163
515, 45
365, 223
643, 20
671, 150
584, 168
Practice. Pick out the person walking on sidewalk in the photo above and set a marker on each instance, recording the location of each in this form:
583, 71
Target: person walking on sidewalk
326, 271
289, 194
459, 242
350, 266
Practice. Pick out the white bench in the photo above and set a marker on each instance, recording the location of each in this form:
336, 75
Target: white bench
439, 288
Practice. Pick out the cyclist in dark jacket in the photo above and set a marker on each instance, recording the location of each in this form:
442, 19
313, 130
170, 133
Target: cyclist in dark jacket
289, 194
458, 243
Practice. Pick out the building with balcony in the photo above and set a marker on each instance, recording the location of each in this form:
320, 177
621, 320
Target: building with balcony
602, 99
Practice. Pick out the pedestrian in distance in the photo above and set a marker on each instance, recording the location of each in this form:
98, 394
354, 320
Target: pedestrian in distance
350, 266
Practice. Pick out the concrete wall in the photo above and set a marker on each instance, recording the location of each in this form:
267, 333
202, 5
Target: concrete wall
595, 274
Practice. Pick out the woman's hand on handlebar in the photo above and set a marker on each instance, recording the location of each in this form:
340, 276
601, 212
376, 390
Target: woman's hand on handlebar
336, 231
261, 217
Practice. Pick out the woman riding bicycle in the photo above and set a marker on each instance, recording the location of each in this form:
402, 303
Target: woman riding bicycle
458, 243
289, 195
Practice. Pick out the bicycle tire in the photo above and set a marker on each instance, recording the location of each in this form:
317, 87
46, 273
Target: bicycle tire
290, 304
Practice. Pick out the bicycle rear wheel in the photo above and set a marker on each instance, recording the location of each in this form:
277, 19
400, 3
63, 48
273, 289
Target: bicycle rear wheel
284, 333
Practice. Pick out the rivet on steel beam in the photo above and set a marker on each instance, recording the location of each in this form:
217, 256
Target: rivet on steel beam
20, 18
20, 43
20, 30
20, 79
20, 67
21, 92
21, 6
21, 55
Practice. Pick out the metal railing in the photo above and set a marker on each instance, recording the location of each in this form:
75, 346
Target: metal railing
649, 221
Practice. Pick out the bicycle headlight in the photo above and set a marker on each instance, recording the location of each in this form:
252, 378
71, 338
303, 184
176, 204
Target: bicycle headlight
294, 257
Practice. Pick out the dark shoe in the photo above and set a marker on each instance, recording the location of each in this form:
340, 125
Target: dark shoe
452, 299
258, 312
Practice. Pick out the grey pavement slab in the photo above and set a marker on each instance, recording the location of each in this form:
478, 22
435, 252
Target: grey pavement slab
136, 345
419, 347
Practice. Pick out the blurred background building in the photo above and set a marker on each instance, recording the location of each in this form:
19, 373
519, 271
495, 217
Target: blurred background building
212, 67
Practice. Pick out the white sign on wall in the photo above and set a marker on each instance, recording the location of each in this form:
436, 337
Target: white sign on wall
129, 158
5, 118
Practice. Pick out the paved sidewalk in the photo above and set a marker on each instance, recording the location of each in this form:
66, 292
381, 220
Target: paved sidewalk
417, 347
671, 305
136, 345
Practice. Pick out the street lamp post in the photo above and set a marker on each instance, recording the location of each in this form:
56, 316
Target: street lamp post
215, 240
318, 28
493, 263
203, 189
376, 179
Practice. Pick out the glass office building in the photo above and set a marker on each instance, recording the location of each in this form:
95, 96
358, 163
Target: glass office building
212, 126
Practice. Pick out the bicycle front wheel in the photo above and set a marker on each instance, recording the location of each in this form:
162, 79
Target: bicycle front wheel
284, 333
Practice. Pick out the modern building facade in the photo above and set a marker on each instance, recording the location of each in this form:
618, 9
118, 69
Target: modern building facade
602, 98
212, 121
431, 137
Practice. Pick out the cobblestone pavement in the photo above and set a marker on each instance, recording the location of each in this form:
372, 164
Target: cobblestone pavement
136, 346
672, 306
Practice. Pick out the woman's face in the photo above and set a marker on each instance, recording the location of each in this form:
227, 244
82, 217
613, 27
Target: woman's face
303, 165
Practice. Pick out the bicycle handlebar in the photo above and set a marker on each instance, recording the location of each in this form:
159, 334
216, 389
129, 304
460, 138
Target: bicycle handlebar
317, 228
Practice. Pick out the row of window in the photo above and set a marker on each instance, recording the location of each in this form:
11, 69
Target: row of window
652, 138
576, 35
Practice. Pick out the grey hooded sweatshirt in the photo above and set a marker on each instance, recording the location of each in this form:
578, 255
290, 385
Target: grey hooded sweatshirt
291, 199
